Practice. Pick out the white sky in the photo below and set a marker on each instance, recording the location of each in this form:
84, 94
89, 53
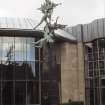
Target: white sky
71, 12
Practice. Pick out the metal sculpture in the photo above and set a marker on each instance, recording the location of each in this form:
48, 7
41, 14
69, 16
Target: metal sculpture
47, 10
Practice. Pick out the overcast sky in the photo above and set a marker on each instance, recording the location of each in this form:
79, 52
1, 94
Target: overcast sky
71, 12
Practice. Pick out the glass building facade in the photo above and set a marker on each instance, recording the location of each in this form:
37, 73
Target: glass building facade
19, 71
27, 75
95, 72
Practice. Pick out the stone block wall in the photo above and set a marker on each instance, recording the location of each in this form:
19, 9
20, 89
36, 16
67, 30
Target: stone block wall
72, 72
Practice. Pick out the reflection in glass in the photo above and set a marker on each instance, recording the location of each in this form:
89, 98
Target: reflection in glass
0, 71
36, 53
32, 93
19, 71
7, 93
30, 50
7, 71
7, 49
7, 52
33, 68
0, 93
37, 69
30, 70
20, 49
20, 93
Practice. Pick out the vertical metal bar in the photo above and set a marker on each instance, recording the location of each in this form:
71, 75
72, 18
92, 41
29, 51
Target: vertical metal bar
84, 51
93, 76
39, 75
26, 69
1, 71
14, 71
1, 92
26, 91
99, 73
60, 83
86, 72
89, 76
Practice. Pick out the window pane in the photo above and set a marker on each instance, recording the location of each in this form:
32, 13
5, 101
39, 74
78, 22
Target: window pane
0, 92
36, 53
7, 71
30, 70
20, 70
103, 96
30, 50
7, 93
8, 39
20, 93
0, 50
32, 93
8, 49
20, 49
0, 71
24, 51
37, 70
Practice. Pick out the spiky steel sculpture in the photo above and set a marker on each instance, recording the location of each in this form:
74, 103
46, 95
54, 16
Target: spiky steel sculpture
47, 9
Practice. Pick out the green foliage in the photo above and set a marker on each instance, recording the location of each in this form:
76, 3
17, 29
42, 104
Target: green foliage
73, 103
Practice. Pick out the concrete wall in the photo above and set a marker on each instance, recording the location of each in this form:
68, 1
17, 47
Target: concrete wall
72, 72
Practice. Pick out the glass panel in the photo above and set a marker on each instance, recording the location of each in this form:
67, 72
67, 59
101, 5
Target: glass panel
102, 72
87, 96
17, 61
20, 70
8, 49
96, 56
37, 53
95, 65
91, 96
4, 51
37, 70
89, 50
97, 96
7, 71
90, 57
0, 71
20, 49
8, 39
32, 64
32, 93
24, 51
101, 64
101, 56
103, 82
7, 93
20, 93
0, 49
30, 50
91, 65
31, 73
103, 96
96, 72
0, 92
